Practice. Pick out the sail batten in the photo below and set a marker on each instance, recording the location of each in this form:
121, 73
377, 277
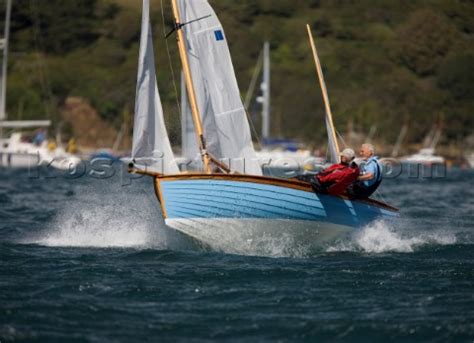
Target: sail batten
151, 146
224, 119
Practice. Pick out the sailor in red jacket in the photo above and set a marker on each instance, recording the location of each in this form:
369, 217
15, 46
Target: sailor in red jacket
335, 179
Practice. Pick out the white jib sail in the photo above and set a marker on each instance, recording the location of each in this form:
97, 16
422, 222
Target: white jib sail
151, 145
225, 123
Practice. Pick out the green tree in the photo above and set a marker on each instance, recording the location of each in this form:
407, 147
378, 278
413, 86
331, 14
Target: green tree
424, 40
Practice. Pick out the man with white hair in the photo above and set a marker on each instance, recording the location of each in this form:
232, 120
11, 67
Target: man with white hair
371, 173
335, 179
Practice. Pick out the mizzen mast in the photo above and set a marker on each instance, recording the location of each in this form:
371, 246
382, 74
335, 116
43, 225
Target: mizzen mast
329, 122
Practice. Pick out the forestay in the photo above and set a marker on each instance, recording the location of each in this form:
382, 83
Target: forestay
151, 146
225, 124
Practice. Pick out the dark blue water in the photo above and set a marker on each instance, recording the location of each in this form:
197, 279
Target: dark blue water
88, 260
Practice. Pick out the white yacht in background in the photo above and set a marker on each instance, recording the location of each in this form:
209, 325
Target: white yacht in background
17, 150
427, 155
424, 156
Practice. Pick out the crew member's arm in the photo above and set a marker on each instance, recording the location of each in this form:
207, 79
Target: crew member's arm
326, 172
335, 176
369, 172
366, 176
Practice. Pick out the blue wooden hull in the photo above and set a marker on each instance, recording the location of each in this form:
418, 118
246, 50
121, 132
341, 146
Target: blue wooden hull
196, 202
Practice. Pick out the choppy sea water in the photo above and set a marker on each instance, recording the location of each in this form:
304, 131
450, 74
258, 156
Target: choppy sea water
88, 259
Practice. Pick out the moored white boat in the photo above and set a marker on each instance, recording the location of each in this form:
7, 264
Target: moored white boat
17, 153
425, 156
15, 150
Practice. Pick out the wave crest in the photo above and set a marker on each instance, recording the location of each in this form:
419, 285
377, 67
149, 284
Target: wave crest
380, 237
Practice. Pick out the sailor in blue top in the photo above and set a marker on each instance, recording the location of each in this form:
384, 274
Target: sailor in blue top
371, 173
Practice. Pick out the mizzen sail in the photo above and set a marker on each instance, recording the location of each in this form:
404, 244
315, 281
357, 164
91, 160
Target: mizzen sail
226, 128
151, 145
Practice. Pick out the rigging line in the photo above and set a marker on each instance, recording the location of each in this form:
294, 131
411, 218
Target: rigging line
173, 75
341, 138
251, 89
177, 26
252, 126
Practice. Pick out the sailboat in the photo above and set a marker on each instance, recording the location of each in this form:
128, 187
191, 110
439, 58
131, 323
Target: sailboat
426, 155
17, 151
229, 199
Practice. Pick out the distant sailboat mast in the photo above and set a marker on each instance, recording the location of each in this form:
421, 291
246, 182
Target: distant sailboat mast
332, 138
265, 87
4, 123
400, 138
436, 138
4, 47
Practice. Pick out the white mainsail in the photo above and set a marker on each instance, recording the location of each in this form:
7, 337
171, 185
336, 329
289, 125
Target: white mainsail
225, 124
189, 144
151, 145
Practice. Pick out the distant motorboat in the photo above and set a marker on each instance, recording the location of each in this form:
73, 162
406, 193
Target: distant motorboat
424, 156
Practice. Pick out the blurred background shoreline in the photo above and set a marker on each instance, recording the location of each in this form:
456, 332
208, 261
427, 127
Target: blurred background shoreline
387, 66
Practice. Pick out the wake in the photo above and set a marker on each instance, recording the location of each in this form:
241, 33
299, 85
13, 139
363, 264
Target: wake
104, 216
381, 237
110, 217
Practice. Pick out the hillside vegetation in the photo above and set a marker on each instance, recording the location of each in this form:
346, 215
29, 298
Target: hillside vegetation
386, 62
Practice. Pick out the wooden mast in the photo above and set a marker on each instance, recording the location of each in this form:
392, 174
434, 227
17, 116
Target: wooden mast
206, 159
323, 89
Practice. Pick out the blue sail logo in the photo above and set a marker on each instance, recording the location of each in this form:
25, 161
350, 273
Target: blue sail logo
219, 35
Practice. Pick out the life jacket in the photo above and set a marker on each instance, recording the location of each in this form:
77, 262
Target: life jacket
360, 190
